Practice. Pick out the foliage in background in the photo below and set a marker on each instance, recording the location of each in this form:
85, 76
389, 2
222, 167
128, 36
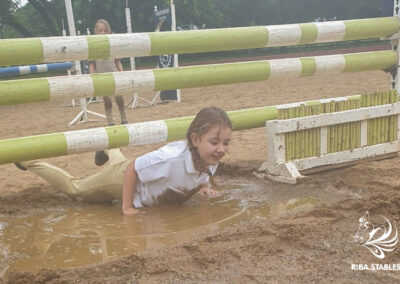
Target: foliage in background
44, 17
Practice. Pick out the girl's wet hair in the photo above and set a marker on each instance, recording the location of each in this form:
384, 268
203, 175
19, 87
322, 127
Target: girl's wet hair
205, 119
105, 23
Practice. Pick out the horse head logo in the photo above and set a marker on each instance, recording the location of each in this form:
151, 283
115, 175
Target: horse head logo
376, 238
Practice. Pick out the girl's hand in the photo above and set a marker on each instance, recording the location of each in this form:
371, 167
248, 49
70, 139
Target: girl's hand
208, 191
130, 211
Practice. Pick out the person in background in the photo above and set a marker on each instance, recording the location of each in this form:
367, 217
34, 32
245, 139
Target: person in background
108, 65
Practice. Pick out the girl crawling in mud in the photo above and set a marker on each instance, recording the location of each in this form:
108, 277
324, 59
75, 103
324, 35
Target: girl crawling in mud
171, 174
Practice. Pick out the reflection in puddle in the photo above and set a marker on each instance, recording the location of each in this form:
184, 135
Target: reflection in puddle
61, 238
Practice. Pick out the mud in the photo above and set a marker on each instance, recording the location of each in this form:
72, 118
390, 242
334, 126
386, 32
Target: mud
302, 233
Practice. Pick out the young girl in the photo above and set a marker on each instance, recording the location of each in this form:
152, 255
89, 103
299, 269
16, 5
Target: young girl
108, 65
171, 174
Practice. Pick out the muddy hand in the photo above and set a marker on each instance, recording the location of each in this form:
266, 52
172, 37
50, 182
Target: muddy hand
209, 192
130, 211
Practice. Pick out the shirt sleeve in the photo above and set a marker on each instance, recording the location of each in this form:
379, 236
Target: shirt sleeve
152, 166
205, 179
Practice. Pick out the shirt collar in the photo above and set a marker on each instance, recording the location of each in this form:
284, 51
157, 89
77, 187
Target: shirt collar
190, 165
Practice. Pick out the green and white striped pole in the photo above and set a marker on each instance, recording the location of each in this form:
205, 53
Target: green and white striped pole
73, 48
87, 140
129, 82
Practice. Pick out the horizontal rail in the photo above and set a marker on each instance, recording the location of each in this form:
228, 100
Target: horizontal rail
70, 142
129, 82
329, 119
55, 49
41, 68
87, 140
348, 155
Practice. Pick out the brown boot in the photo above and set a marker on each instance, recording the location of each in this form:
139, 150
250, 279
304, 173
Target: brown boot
100, 158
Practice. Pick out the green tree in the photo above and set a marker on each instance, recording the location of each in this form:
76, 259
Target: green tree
42, 7
44, 17
7, 10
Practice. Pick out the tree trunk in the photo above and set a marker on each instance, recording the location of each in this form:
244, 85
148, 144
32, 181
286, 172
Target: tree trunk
17, 26
52, 10
45, 15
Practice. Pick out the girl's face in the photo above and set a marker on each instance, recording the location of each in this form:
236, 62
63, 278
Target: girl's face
101, 29
212, 145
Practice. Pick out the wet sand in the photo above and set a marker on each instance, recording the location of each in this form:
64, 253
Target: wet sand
306, 242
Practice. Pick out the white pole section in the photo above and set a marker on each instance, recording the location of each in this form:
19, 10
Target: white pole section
129, 30
173, 28
396, 47
72, 32
64, 33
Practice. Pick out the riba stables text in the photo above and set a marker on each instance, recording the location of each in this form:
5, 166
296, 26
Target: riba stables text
376, 267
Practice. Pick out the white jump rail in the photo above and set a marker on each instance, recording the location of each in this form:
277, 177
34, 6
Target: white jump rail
279, 169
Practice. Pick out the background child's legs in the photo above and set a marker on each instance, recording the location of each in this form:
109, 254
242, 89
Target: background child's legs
121, 106
108, 110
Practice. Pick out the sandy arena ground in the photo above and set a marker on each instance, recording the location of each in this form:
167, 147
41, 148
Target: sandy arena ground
305, 246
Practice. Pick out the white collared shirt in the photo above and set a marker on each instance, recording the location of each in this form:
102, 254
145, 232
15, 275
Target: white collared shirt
167, 175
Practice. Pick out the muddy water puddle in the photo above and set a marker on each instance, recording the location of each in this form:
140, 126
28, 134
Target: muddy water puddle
71, 237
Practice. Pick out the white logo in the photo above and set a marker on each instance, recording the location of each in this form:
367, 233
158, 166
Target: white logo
376, 238
166, 61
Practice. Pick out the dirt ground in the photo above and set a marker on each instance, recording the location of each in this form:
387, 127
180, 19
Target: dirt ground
305, 246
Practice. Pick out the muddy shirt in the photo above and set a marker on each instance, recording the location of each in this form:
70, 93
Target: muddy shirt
167, 175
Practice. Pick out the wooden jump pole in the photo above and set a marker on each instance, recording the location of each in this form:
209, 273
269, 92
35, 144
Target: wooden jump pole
40, 68
55, 49
128, 82
87, 140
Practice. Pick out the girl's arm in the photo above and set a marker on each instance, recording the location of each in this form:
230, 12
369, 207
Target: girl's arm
128, 189
92, 68
119, 65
